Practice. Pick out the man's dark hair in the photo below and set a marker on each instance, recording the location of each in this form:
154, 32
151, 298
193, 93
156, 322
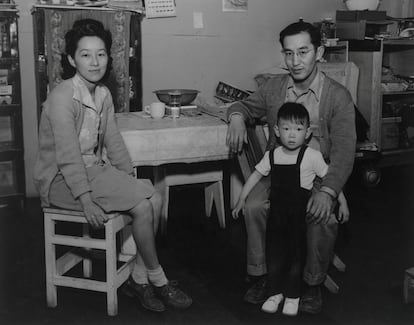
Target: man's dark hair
82, 28
294, 112
300, 27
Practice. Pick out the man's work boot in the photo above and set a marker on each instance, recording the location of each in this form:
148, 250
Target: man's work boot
256, 294
311, 301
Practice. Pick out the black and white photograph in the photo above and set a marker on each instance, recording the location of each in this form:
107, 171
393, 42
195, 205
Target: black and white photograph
207, 162
235, 5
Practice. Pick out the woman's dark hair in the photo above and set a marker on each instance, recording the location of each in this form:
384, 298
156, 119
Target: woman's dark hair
294, 112
82, 28
300, 27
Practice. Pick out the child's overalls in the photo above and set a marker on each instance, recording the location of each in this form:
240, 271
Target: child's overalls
286, 229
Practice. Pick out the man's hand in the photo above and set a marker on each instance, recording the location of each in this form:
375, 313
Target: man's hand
94, 214
319, 208
236, 133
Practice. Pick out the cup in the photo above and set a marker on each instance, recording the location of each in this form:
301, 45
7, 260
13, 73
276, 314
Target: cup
156, 110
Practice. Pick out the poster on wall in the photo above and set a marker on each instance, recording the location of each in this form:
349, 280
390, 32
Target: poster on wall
235, 5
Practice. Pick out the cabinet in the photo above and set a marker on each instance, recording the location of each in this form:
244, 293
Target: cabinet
384, 99
12, 179
50, 24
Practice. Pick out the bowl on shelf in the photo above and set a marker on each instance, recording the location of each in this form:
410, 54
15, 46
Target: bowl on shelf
362, 4
187, 95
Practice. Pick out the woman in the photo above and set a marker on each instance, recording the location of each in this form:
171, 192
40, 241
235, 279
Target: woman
71, 172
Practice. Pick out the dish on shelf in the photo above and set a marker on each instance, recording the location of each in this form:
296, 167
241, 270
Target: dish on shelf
362, 4
393, 86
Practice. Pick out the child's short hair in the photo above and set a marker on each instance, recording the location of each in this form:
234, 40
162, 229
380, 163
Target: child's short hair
294, 112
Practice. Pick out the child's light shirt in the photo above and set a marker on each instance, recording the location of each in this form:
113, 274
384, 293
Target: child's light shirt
312, 165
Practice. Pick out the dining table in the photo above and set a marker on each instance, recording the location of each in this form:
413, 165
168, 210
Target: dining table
185, 150
193, 137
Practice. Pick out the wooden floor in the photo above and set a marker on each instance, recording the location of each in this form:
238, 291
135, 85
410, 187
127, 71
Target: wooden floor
209, 263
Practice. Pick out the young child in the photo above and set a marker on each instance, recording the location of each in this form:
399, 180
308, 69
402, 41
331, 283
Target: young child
293, 167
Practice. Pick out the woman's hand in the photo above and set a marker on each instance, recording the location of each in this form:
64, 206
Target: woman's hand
236, 133
239, 207
95, 216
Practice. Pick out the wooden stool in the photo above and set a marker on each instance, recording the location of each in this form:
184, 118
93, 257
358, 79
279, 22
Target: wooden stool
57, 267
409, 285
211, 174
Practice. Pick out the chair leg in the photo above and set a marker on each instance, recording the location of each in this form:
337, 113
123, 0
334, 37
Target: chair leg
86, 261
50, 258
408, 285
331, 285
339, 265
111, 269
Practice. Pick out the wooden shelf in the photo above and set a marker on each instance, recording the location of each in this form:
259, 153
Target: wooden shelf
370, 56
397, 151
12, 176
10, 148
335, 48
404, 41
392, 93
396, 157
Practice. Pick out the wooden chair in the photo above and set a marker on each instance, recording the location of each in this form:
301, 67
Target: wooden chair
81, 250
252, 153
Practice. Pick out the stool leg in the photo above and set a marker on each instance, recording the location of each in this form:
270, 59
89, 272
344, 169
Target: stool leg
86, 261
111, 269
214, 193
50, 260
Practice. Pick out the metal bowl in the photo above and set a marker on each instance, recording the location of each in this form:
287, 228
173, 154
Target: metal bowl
187, 95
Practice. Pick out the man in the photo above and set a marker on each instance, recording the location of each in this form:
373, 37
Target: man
332, 121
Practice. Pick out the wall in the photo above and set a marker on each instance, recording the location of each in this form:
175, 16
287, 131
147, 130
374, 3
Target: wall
232, 47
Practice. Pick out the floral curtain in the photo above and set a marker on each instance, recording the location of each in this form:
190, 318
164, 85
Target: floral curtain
118, 22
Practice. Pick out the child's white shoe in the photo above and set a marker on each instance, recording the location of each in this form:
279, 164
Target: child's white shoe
291, 307
272, 303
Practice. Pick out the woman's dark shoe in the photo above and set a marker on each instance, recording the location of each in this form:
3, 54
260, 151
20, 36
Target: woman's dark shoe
171, 295
257, 292
145, 294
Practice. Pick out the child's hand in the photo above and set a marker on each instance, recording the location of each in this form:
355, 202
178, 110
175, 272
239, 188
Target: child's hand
239, 207
343, 213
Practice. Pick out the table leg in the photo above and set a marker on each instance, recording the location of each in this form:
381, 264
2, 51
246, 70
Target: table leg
236, 185
163, 188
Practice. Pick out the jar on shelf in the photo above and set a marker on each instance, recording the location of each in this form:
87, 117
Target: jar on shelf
328, 30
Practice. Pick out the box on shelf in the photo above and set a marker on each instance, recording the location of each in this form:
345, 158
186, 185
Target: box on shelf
357, 15
390, 133
359, 29
228, 93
